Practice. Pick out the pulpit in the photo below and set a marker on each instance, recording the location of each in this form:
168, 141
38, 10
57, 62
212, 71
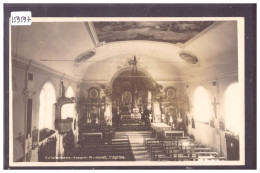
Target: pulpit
63, 125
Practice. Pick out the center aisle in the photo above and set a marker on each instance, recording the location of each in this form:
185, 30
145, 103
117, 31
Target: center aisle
136, 140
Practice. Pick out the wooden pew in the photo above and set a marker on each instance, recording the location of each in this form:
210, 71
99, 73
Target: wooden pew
182, 157
157, 149
145, 139
183, 152
179, 149
150, 142
213, 158
177, 153
118, 149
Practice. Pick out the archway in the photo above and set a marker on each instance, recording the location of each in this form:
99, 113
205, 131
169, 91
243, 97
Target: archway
130, 99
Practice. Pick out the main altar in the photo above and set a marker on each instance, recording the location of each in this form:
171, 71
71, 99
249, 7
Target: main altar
132, 118
130, 99
137, 101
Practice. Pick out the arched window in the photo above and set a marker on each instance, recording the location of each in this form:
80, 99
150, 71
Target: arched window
202, 105
233, 108
47, 100
68, 110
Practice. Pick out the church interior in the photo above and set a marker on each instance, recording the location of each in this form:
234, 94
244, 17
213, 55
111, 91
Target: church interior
126, 91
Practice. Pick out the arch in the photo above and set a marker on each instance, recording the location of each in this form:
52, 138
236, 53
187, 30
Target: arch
233, 108
159, 44
202, 105
68, 110
229, 84
127, 69
46, 110
49, 80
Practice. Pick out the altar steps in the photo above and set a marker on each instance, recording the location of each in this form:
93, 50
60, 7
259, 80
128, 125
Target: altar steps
136, 141
119, 149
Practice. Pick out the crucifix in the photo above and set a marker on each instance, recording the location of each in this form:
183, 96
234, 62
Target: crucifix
215, 103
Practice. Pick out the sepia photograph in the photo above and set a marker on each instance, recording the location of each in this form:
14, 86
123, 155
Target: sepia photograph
127, 91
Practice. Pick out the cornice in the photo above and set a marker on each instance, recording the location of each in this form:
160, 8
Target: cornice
204, 32
22, 62
92, 33
219, 77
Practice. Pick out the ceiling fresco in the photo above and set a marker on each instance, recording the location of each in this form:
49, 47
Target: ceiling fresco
170, 32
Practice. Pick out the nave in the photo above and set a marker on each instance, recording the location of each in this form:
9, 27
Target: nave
107, 95
142, 146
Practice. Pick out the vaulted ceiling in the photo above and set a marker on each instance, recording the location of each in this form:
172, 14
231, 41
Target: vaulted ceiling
171, 32
95, 52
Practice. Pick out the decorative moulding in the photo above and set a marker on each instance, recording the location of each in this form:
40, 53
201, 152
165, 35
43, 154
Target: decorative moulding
23, 62
220, 76
204, 32
189, 58
84, 57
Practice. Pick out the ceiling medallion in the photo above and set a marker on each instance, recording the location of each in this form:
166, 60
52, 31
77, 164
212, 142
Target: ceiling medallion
84, 57
93, 93
189, 58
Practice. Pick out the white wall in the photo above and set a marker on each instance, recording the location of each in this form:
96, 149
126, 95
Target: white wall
204, 133
41, 76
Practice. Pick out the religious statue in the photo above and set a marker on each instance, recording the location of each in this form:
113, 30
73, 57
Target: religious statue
93, 115
126, 98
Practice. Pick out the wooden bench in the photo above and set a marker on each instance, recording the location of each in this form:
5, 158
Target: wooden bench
182, 157
176, 155
151, 143
213, 158
179, 149
145, 139
200, 149
157, 150
173, 133
118, 149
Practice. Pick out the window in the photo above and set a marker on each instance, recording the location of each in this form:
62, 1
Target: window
46, 112
202, 105
233, 108
30, 76
68, 110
